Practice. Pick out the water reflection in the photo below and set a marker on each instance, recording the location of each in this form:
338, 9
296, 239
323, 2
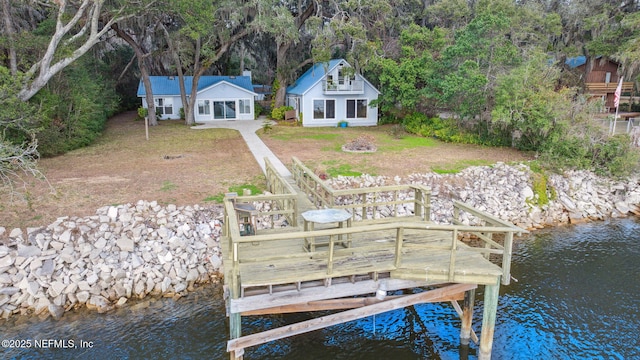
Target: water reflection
576, 298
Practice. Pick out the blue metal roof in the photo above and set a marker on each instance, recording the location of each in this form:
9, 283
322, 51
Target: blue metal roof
574, 62
169, 85
312, 76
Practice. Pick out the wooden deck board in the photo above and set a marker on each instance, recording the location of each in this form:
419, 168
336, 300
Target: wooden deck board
427, 256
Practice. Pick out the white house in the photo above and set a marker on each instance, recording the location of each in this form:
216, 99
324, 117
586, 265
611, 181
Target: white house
330, 92
218, 97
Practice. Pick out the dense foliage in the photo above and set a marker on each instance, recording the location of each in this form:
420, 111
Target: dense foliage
496, 66
75, 107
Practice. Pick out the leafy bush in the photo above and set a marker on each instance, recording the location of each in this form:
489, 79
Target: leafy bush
259, 110
278, 113
609, 156
75, 107
442, 129
143, 112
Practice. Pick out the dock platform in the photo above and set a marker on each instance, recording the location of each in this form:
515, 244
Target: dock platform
353, 268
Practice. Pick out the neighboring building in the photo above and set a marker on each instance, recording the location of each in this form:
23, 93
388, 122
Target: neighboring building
218, 97
263, 91
330, 92
601, 78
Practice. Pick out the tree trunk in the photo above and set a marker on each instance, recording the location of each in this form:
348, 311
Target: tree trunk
197, 72
144, 73
8, 25
281, 60
176, 59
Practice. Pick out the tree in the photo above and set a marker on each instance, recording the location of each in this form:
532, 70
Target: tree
78, 27
285, 24
408, 81
528, 105
463, 90
135, 33
212, 27
18, 145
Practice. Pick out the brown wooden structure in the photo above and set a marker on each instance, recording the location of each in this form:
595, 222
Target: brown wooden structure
601, 80
272, 272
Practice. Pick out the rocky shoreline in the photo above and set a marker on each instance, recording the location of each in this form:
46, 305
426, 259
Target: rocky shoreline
145, 249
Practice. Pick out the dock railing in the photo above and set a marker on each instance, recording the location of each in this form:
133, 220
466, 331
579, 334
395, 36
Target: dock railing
372, 203
487, 239
286, 197
336, 259
282, 202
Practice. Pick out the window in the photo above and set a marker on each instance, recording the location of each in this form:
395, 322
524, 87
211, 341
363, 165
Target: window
356, 108
324, 109
245, 106
204, 107
164, 106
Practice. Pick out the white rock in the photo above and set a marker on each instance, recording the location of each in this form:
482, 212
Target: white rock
100, 243
56, 311
6, 261
136, 261
56, 288
65, 237
112, 213
82, 296
42, 305
15, 233
125, 244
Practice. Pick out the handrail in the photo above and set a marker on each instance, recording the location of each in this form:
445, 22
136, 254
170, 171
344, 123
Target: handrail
309, 182
283, 196
335, 233
486, 217
325, 196
375, 227
488, 241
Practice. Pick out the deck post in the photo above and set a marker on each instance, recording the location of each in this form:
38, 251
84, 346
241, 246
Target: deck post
467, 317
235, 319
418, 203
235, 333
491, 294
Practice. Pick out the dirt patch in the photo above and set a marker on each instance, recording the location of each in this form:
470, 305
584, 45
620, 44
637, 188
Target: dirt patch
178, 165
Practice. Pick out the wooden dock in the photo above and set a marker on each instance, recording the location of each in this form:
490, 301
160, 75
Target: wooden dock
354, 267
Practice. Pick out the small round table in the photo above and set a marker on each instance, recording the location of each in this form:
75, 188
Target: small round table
325, 216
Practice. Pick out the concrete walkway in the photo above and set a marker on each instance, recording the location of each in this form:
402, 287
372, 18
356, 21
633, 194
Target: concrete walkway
247, 129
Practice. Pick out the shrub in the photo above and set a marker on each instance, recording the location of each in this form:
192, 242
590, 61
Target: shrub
75, 107
143, 112
278, 113
609, 156
442, 129
258, 110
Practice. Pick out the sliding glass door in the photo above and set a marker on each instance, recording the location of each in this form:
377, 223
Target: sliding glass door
224, 110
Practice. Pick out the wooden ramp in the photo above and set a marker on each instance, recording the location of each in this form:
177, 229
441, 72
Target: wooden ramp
274, 271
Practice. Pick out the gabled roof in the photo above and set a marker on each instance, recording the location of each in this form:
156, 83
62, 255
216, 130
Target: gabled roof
315, 74
169, 85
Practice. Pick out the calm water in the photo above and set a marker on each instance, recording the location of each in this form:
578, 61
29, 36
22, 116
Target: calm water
577, 298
